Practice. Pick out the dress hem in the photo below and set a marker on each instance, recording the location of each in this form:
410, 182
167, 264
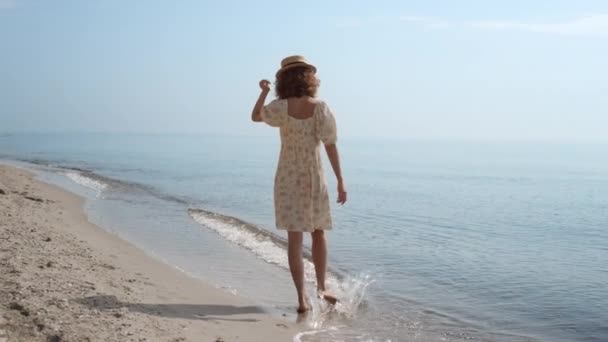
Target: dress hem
304, 231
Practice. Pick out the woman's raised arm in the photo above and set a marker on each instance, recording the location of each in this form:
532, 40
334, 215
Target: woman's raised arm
256, 113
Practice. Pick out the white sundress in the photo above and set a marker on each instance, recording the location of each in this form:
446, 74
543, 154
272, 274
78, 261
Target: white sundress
301, 201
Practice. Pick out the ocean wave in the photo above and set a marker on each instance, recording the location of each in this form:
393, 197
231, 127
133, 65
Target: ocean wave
90, 179
87, 182
129, 187
264, 244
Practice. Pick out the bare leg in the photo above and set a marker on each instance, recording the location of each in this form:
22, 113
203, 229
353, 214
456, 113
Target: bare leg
319, 258
296, 266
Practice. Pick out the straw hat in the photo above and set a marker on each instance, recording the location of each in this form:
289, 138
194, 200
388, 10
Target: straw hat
295, 61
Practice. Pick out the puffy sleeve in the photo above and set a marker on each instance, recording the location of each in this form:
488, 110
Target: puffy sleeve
328, 130
275, 113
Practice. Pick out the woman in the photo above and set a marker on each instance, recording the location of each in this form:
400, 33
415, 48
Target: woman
300, 194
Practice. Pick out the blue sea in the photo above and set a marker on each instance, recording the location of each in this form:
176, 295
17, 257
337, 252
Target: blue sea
440, 241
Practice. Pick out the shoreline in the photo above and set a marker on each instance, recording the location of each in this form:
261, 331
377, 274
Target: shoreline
70, 280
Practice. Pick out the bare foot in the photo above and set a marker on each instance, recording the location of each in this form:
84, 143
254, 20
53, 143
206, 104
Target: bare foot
303, 308
331, 299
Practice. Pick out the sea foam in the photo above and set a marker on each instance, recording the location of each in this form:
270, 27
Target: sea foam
87, 182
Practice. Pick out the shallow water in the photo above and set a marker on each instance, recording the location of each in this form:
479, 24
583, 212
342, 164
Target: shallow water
439, 241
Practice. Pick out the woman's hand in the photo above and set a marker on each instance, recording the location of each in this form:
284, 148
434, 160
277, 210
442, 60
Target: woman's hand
265, 85
341, 193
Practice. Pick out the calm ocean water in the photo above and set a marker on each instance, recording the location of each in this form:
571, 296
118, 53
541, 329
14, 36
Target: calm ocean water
439, 241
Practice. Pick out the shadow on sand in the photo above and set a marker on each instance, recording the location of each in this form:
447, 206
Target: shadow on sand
188, 311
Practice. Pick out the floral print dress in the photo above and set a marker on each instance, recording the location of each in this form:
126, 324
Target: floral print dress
301, 201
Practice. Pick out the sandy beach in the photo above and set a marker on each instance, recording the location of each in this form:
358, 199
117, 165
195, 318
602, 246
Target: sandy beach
65, 279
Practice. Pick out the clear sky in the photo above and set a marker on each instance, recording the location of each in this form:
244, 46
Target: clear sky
505, 70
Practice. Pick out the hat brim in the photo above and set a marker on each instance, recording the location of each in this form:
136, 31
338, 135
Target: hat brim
295, 65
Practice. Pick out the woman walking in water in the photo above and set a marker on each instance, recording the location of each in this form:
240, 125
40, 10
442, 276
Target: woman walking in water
300, 193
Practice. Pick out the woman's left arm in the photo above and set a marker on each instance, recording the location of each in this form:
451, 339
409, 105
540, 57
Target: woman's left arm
256, 113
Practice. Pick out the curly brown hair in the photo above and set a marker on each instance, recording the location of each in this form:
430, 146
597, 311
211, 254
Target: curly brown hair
296, 82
